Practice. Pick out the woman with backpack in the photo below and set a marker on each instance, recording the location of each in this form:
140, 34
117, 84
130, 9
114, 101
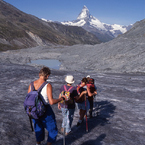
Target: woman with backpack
81, 100
48, 119
92, 91
68, 106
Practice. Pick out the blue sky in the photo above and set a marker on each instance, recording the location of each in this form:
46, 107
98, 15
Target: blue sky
123, 12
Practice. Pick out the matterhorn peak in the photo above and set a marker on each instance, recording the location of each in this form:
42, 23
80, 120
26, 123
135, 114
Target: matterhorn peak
105, 32
84, 13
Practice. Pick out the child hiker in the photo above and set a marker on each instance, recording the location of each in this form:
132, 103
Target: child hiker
68, 106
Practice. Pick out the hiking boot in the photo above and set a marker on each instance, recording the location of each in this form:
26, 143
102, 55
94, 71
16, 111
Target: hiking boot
62, 130
90, 116
90, 113
67, 133
80, 122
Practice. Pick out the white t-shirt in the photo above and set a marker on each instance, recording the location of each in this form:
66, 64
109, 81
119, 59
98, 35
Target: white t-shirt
44, 94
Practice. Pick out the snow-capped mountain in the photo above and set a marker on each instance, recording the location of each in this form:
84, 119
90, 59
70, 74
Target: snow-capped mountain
84, 18
103, 31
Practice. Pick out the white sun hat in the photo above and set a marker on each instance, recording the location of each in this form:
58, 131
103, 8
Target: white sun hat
69, 79
88, 76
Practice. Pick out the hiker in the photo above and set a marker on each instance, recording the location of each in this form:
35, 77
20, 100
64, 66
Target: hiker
92, 91
67, 107
88, 77
48, 119
81, 100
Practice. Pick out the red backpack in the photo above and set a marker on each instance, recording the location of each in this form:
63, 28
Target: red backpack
91, 85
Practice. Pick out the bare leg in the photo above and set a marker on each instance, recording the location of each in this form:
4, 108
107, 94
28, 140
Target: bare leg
82, 114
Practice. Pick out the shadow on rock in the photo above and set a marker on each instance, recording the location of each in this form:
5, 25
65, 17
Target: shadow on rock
103, 111
97, 141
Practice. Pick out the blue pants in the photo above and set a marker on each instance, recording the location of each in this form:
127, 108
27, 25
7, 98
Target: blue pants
67, 118
47, 121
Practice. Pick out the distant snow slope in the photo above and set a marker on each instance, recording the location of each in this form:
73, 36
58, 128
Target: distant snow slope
92, 24
126, 53
105, 32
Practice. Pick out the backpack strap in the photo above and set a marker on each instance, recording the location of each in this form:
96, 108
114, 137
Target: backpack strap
68, 89
78, 87
41, 87
32, 86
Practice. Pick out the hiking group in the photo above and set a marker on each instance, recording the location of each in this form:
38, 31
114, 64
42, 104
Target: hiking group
39, 99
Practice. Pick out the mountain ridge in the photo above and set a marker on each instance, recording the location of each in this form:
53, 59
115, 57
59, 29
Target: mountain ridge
105, 32
123, 54
21, 30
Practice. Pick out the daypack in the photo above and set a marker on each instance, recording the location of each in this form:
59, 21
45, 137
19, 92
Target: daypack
67, 94
91, 85
91, 81
80, 90
33, 104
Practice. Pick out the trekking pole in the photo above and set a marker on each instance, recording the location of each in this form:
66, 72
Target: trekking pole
64, 129
86, 114
64, 137
94, 105
31, 124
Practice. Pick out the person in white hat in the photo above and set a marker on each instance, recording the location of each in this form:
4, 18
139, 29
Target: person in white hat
88, 76
69, 79
67, 107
